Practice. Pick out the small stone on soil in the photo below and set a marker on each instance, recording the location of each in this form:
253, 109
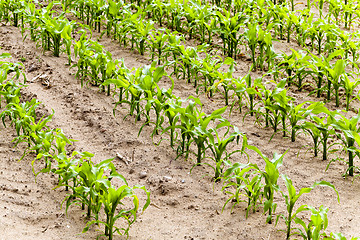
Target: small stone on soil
142, 175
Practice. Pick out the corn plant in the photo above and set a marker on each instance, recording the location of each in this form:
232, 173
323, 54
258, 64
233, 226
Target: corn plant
299, 66
55, 31
92, 180
298, 113
335, 73
244, 178
225, 79
112, 198
218, 146
338, 236
315, 133
324, 125
201, 132
229, 27
317, 224
272, 109
251, 37
238, 86
176, 11
141, 33
12, 11
271, 176
158, 42
320, 66
284, 105
171, 112
113, 16
251, 90
349, 87
291, 198
350, 131
209, 70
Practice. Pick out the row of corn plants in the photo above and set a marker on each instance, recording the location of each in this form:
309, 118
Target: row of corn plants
91, 185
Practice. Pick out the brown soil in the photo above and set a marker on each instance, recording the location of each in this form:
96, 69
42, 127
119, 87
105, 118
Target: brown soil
184, 205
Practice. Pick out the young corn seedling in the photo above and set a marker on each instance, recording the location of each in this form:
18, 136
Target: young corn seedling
291, 198
218, 146
92, 181
272, 109
315, 133
209, 70
229, 27
338, 236
335, 74
188, 119
56, 31
298, 113
158, 41
243, 177
113, 16
112, 199
350, 136
300, 66
283, 104
350, 87
143, 30
252, 91
206, 21
158, 105
324, 124
225, 79
271, 176
317, 225
320, 66
201, 132
171, 112
251, 37
238, 86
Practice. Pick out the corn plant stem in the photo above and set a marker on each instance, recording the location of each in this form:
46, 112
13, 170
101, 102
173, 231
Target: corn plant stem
293, 134
300, 79
319, 43
346, 16
337, 102
217, 170
283, 118
351, 157
288, 222
56, 42
328, 90
319, 83
267, 117
89, 207
251, 96
348, 96
121, 94
226, 95
106, 227
200, 146
188, 73
324, 146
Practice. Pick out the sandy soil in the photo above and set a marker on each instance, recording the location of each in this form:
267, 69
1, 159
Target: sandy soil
184, 205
